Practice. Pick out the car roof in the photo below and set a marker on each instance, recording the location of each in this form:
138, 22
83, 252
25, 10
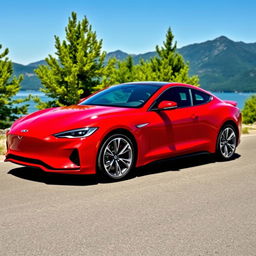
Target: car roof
160, 84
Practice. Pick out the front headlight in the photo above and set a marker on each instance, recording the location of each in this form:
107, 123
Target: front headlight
77, 133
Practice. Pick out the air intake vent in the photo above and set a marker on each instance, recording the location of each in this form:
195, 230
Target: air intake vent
74, 157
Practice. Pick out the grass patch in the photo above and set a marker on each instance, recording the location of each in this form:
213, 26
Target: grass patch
245, 130
249, 129
2, 145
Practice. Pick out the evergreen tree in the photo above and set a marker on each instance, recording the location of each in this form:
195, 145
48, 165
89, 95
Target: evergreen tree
125, 71
170, 66
119, 72
143, 71
167, 66
78, 67
249, 110
9, 87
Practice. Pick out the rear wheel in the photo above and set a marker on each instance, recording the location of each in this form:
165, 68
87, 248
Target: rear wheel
116, 157
227, 142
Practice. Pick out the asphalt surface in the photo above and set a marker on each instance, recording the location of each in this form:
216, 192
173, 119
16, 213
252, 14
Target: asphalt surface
193, 206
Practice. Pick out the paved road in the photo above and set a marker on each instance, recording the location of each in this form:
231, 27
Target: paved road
187, 207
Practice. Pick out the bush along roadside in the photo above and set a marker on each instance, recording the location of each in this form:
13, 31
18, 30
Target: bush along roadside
2, 141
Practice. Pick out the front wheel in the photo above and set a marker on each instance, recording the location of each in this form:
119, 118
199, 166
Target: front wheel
227, 142
116, 157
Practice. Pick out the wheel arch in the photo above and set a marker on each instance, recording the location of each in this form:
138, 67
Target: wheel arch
233, 123
122, 131
220, 155
227, 122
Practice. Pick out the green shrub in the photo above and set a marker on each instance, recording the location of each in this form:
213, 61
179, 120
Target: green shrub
245, 130
249, 110
2, 145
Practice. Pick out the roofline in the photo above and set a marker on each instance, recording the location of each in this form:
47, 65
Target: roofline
149, 83
163, 84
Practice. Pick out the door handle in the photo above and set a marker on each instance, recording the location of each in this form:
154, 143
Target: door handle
195, 117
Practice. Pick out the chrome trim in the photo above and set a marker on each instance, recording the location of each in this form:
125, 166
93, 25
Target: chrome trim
191, 97
141, 125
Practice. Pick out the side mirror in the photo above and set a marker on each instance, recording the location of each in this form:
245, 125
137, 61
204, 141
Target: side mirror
167, 105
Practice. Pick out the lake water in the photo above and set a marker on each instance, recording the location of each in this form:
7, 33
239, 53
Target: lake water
238, 97
32, 105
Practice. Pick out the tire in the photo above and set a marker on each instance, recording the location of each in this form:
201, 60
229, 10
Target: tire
116, 157
226, 143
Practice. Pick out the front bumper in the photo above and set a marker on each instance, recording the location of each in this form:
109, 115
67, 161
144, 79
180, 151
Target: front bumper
53, 154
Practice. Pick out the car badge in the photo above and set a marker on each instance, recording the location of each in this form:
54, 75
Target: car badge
25, 130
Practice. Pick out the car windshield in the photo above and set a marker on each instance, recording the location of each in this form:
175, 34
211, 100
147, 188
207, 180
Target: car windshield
125, 95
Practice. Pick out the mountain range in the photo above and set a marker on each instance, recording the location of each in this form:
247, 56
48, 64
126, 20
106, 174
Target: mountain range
221, 64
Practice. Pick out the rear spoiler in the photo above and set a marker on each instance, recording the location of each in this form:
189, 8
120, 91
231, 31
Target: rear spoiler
231, 102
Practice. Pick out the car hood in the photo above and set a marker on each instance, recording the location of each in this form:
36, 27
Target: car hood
54, 120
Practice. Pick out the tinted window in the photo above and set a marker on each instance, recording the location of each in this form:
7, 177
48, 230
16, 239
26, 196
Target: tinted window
180, 95
200, 97
129, 95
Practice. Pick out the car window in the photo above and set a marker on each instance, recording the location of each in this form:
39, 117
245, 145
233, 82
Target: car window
200, 97
129, 95
115, 97
180, 95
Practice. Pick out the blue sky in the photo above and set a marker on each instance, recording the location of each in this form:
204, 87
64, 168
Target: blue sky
28, 27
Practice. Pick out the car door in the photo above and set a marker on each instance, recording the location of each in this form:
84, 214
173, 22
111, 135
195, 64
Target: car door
203, 119
173, 130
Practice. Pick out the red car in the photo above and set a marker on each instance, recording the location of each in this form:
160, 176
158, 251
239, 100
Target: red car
126, 126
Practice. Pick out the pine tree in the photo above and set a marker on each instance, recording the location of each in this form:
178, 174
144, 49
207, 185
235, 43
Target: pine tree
143, 71
9, 87
125, 70
78, 68
118, 72
168, 65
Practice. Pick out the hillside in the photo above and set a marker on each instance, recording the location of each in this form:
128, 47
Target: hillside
221, 64
30, 81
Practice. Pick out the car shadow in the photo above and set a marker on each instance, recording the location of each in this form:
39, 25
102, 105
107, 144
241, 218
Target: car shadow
37, 175
173, 164
178, 164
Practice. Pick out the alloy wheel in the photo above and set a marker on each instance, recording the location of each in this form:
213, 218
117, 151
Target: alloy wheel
227, 142
118, 157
